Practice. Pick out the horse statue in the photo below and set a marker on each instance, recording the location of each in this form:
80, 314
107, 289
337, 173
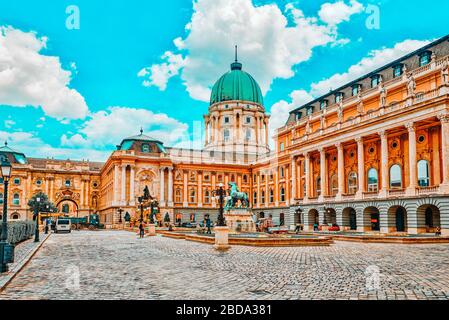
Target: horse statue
234, 196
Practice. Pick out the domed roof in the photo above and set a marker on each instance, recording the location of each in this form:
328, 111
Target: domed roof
13, 155
127, 143
236, 85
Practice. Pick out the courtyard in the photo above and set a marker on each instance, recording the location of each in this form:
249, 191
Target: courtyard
118, 265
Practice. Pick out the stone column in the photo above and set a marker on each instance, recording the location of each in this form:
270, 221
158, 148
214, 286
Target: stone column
411, 190
307, 194
82, 193
123, 182
162, 187
444, 118
132, 178
361, 167
293, 180
323, 174
170, 187
384, 163
200, 189
185, 190
116, 177
257, 129
266, 131
340, 171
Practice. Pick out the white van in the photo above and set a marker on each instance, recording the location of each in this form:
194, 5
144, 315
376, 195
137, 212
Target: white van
63, 225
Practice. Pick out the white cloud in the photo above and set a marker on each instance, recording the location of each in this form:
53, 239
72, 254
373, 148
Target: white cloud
107, 128
280, 110
337, 12
28, 78
9, 123
33, 146
159, 74
374, 60
271, 43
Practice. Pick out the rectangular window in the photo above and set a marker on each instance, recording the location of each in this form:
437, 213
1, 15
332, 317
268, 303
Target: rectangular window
226, 120
309, 110
323, 104
248, 119
424, 59
355, 90
338, 97
375, 81
397, 71
282, 147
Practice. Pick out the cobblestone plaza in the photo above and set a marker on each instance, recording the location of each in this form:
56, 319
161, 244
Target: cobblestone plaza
117, 265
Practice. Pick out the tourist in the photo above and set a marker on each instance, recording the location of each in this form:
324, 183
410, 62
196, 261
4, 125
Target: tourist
208, 225
298, 228
141, 231
438, 231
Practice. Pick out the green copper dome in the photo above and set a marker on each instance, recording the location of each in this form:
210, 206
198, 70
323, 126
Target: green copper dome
236, 85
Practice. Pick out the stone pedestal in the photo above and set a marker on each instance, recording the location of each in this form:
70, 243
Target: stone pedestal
240, 220
151, 230
221, 238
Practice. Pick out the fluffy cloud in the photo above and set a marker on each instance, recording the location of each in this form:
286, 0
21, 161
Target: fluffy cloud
33, 146
271, 43
337, 12
374, 60
28, 78
107, 128
159, 74
280, 110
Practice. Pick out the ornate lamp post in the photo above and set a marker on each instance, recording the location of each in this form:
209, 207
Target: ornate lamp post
220, 195
120, 211
36, 217
141, 200
6, 253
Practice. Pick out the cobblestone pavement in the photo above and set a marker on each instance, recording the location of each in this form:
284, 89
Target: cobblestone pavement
117, 265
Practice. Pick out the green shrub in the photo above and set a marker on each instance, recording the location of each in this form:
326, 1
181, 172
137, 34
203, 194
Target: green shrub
19, 231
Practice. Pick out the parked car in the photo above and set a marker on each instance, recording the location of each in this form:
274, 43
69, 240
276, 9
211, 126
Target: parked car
63, 225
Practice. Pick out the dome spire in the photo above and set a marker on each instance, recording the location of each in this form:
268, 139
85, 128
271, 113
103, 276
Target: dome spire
236, 65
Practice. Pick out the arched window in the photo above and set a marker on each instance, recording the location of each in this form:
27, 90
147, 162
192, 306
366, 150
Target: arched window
206, 196
395, 176
423, 173
352, 183
271, 196
226, 135
65, 208
262, 197
282, 193
178, 195
255, 197
15, 216
192, 196
373, 180
16, 199
248, 135
334, 185
192, 218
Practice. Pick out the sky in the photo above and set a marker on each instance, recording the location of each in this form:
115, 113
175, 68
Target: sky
76, 77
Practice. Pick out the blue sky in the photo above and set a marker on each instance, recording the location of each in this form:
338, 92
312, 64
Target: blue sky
110, 77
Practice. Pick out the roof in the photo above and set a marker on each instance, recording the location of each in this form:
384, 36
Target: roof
236, 85
18, 156
373, 73
127, 143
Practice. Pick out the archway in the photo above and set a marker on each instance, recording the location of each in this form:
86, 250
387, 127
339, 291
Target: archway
428, 218
15, 216
313, 217
400, 218
372, 214
350, 218
67, 207
330, 216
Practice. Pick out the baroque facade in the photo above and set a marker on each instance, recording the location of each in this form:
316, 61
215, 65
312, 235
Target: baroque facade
372, 155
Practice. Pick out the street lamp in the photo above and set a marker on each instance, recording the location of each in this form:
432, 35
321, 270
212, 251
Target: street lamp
153, 204
220, 195
36, 217
6, 253
120, 211
140, 200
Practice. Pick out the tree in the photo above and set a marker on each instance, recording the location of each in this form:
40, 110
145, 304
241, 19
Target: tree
44, 205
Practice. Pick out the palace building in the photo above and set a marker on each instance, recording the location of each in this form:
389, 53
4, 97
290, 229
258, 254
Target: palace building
371, 156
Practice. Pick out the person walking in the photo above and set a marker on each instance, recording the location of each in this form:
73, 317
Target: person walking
208, 225
141, 230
